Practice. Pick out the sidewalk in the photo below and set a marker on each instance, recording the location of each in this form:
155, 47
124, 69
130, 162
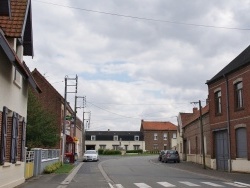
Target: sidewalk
191, 167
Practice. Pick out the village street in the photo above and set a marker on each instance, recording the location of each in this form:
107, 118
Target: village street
138, 171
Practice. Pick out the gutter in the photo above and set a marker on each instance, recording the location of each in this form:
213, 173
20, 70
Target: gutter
228, 125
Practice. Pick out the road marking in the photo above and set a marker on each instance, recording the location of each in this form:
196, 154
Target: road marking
234, 184
213, 184
189, 184
69, 178
245, 184
166, 184
142, 185
119, 186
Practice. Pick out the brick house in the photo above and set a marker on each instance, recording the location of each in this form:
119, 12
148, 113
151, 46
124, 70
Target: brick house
192, 143
53, 102
125, 140
15, 42
229, 94
159, 135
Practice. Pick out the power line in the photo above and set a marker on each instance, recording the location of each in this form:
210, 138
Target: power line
147, 19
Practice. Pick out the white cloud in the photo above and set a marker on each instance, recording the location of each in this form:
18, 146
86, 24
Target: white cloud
130, 68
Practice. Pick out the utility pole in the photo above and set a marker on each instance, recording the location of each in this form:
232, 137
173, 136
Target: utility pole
65, 110
202, 136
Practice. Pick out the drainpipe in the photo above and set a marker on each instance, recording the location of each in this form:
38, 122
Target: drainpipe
228, 125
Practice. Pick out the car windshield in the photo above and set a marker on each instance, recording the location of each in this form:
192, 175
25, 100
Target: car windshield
90, 152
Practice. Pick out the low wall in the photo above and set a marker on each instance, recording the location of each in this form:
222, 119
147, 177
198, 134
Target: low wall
199, 159
241, 165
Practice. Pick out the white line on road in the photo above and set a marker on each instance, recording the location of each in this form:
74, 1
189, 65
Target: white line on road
166, 184
245, 184
234, 184
69, 178
213, 184
142, 185
119, 186
189, 184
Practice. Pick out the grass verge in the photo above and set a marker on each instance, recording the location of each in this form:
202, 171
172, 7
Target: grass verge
64, 169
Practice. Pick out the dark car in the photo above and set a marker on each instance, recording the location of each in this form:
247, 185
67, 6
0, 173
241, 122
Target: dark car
162, 152
171, 155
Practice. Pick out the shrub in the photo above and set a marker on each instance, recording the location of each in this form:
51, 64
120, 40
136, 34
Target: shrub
100, 151
111, 152
52, 168
135, 151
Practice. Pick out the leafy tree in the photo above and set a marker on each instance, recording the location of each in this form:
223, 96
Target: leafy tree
41, 128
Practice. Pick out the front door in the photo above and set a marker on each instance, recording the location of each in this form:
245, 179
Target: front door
221, 150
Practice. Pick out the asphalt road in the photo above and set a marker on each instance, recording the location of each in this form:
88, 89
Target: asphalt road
138, 171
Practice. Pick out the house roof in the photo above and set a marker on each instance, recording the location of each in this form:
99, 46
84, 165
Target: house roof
19, 23
240, 61
113, 133
21, 67
157, 126
195, 115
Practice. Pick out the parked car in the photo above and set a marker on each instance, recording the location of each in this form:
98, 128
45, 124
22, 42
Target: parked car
91, 155
162, 152
171, 155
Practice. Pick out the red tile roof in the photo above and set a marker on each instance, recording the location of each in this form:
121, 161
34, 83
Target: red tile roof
157, 126
195, 115
13, 26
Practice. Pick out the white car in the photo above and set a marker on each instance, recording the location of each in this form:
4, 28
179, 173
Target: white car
90, 155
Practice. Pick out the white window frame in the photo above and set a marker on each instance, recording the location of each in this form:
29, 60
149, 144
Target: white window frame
155, 136
115, 137
137, 138
174, 135
165, 136
93, 138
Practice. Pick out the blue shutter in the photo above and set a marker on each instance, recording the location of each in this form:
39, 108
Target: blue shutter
241, 136
3, 135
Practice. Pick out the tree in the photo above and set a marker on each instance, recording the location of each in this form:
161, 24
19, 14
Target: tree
41, 128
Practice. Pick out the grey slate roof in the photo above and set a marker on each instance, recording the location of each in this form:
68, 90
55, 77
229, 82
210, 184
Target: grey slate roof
240, 61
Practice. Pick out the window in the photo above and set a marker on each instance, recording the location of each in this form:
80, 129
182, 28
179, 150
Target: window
165, 136
102, 146
155, 146
217, 97
17, 78
174, 135
115, 147
241, 141
165, 147
155, 136
93, 137
136, 147
238, 95
136, 138
116, 138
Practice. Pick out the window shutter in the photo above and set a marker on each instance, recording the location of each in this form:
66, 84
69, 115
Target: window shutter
4, 135
14, 138
22, 156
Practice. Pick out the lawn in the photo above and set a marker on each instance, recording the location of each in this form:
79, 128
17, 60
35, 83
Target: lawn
64, 169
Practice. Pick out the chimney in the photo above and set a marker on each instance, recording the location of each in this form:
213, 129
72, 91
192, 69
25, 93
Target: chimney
195, 109
108, 130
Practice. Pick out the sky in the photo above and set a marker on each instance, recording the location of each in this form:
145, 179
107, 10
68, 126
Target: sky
136, 59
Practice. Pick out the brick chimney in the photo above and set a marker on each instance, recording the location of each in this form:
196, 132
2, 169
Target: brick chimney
195, 109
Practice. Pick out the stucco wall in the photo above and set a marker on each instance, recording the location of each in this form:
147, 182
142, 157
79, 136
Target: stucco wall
13, 96
109, 144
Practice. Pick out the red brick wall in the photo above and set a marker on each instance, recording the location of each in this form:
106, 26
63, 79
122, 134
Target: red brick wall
50, 99
149, 139
192, 133
236, 117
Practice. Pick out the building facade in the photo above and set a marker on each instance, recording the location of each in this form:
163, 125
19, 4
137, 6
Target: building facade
114, 140
159, 135
229, 93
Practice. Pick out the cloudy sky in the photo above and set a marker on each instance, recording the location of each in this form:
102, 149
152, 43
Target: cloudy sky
136, 59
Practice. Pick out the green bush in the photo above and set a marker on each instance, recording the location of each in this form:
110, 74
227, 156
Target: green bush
135, 151
52, 168
111, 152
100, 151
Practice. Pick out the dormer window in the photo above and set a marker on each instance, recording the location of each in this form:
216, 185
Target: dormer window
137, 138
5, 8
115, 137
93, 137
